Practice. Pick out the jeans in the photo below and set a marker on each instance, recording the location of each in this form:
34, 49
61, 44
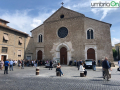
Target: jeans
36, 64
60, 72
22, 66
50, 67
94, 67
11, 66
78, 67
6, 70
106, 73
85, 73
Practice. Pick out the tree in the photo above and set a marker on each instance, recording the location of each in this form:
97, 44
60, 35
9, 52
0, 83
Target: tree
114, 53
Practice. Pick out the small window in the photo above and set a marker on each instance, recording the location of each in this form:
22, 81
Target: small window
5, 38
40, 38
4, 49
61, 16
90, 34
19, 53
20, 41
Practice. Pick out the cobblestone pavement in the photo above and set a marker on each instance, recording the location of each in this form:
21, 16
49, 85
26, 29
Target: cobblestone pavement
25, 79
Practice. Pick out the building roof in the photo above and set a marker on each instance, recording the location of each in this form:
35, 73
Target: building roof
7, 27
74, 12
4, 20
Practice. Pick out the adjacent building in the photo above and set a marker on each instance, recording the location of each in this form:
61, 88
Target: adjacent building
12, 42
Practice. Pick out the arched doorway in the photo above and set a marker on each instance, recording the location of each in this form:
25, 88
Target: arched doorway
91, 54
39, 55
63, 56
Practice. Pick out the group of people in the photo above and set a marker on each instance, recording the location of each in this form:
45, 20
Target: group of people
81, 65
11, 63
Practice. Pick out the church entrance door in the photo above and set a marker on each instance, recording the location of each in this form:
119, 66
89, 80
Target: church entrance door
39, 55
91, 54
63, 56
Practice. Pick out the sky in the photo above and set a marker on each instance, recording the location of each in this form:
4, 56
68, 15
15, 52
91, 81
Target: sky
25, 15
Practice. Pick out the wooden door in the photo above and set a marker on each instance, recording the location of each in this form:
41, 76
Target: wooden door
63, 56
3, 57
91, 54
39, 55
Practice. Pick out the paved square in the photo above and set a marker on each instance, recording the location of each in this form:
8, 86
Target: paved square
25, 79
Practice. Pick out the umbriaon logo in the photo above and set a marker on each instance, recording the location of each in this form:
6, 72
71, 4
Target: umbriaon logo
105, 4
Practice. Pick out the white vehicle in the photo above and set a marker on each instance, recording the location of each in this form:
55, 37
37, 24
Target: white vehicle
88, 63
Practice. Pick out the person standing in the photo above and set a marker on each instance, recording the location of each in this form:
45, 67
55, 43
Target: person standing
11, 65
94, 65
106, 67
78, 64
119, 64
102, 68
1, 64
22, 67
6, 66
98, 62
50, 64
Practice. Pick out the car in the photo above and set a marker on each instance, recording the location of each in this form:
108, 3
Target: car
48, 65
88, 63
53, 65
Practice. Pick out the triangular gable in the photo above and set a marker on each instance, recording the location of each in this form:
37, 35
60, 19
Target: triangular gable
63, 11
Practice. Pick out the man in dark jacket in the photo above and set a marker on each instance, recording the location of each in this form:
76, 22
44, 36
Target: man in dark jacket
50, 65
106, 67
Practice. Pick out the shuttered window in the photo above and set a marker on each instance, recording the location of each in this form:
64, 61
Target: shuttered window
19, 53
5, 38
20, 41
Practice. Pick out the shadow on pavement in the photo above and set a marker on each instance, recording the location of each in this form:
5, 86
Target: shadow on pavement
98, 77
75, 76
111, 84
95, 80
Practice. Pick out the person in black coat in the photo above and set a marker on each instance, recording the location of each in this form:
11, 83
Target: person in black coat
50, 65
78, 64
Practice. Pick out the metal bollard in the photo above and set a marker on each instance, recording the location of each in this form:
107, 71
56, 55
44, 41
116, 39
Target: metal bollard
37, 70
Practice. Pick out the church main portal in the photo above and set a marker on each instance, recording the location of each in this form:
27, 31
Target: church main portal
63, 56
39, 55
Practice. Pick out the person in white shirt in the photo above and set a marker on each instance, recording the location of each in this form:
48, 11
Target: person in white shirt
59, 69
16, 62
11, 65
82, 69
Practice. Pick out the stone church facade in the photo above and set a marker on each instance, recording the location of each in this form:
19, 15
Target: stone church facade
68, 35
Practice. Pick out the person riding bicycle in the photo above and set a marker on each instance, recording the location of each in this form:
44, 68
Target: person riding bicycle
106, 68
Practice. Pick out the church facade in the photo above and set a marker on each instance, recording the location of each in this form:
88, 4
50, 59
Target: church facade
68, 35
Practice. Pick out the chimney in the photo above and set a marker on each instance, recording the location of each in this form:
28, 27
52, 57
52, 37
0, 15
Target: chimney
3, 22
